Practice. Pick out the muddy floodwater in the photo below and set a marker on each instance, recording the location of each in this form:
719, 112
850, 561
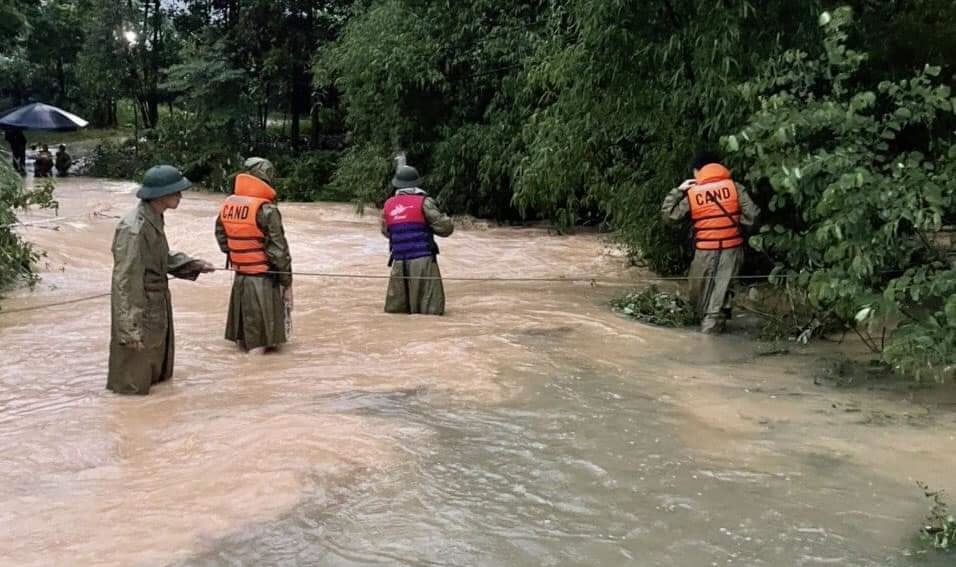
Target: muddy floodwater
530, 426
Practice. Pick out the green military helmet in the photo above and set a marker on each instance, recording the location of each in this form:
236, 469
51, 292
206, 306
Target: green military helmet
162, 180
261, 168
406, 177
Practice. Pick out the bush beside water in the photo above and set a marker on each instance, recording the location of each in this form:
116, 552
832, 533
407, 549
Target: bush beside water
656, 308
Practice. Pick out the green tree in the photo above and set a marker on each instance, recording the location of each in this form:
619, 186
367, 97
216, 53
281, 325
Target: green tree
104, 62
377, 65
440, 82
17, 257
53, 42
861, 177
574, 110
12, 24
630, 91
215, 127
274, 42
16, 77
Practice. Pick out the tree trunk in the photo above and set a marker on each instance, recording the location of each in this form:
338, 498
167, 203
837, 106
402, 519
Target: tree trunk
152, 97
294, 25
294, 109
313, 101
314, 138
265, 121
61, 81
143, 109
152, 109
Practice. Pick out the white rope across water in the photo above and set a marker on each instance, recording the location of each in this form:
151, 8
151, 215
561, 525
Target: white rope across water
97, 212
592, 281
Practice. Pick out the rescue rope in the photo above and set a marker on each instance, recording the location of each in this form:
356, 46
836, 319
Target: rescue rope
57, 220
554, 279
591, 281
52, 305
38, 222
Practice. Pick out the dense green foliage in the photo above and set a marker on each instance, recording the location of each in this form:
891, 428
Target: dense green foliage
16, 255
861, 179
940, 527
657, 308
577, 112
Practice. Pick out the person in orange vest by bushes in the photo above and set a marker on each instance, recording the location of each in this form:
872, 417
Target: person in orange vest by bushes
249, 230
411, 220
721, 211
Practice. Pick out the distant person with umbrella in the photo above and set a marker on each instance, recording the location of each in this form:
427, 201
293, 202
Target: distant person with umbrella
35, 116
18, 148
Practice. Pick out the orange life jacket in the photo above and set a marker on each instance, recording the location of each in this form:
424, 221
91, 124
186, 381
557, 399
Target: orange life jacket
238, 214
715, 209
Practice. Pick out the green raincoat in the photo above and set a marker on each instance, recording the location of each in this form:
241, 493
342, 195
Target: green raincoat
257, 313
141, 310
711, 271
406, 294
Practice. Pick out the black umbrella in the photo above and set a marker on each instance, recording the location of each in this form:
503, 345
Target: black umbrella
39, 116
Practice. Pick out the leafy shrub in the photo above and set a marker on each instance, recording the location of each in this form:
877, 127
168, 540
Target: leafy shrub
940, 525
364, 173
17, 256
657, 308
205, 148
857, 177
117, 160
308, 177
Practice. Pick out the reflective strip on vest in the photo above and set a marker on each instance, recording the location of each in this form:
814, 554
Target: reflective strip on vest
244, 238
715, 212
408, 232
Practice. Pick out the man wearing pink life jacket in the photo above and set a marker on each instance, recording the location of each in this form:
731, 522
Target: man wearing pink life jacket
720, 211
410, 220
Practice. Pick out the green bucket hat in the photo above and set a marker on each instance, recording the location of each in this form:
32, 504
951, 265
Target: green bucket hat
406, 177
162, 180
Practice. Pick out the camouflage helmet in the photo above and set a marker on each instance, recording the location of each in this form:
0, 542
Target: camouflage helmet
261, 168
406, 177
162, 180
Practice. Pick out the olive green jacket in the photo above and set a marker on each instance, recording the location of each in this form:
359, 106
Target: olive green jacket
140, 309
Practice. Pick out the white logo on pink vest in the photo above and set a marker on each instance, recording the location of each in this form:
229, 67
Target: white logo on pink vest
398, 212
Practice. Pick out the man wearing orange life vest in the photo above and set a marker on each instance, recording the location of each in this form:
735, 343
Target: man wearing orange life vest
410, 220
249, 230
719, 209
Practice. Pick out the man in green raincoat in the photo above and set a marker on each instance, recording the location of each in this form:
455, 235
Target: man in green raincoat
410, 220
249, 230
721, 211
141, 334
